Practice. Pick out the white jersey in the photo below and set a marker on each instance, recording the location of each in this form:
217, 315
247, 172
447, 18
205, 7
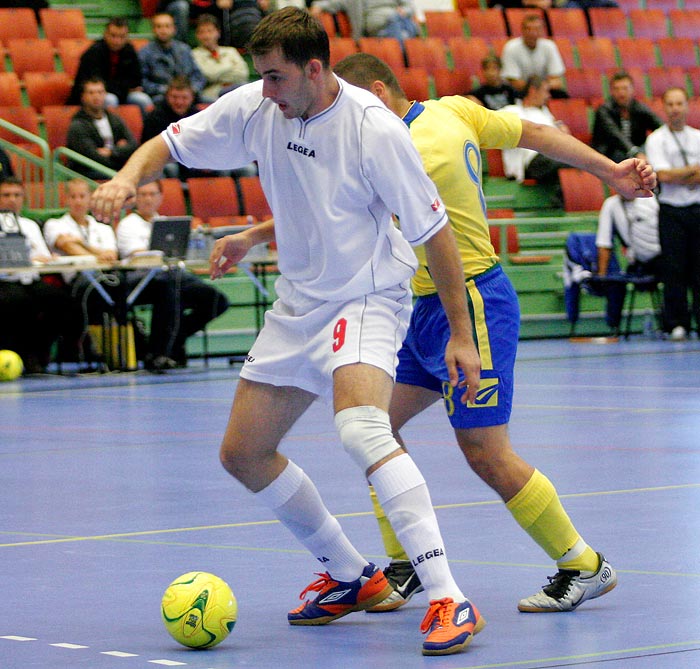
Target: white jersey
96, 235
332, 182
133, 234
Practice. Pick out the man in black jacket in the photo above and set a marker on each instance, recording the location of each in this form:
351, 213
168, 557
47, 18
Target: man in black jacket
114, 59
622, 123
97, 133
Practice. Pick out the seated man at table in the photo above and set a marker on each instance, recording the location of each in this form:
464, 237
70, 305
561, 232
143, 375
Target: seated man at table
185, 303
36, 313
77, 233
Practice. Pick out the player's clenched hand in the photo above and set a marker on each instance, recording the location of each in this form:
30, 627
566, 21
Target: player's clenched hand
109, 198
464, 355
634, 177
227, 252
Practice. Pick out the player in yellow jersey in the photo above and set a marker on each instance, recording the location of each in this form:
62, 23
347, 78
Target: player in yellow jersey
449, 134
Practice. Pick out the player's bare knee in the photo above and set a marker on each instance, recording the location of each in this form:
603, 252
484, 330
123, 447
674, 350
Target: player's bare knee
366, 435
235, 460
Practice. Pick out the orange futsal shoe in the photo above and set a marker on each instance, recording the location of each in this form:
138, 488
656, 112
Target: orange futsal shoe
338, 598
450, 625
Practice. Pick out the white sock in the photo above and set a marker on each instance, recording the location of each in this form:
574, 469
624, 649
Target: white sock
404, 496
295, 501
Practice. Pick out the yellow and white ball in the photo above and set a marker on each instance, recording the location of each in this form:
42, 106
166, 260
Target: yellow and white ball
199, 609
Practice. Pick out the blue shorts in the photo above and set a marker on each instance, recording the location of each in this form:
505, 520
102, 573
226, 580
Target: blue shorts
493, 305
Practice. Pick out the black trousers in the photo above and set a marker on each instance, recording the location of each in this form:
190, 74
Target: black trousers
182, 305
34, 316
679, 236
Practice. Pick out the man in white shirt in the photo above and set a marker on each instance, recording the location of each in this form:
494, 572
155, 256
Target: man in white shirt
182, 303
77, 232
533, 54
674, 151
636, 224
35, 313
335, 164
520, 163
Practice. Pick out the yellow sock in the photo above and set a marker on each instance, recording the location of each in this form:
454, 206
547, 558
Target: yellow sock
392, 545
538, 510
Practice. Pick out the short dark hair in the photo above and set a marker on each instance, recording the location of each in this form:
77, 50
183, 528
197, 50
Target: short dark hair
117, 22
13, 181
180, 82
361, 69
299, 36
620, 75
94, 79
491, 58
208, 19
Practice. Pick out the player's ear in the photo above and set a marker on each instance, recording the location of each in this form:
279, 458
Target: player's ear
313, 68
380, 90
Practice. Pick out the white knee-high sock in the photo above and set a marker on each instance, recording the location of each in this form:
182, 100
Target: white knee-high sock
295, 501
403, 494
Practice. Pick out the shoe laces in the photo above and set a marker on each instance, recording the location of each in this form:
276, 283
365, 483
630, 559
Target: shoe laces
560, 583
438, 615
323, 583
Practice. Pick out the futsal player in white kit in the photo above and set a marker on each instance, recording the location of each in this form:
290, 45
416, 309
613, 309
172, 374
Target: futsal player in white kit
334, 164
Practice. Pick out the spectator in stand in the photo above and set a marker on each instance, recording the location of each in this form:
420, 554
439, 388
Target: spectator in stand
636, 224
182, 303
521, 163
622, 123
238, 18
494, 92
113, 59
533, 54
373, 18
97, 133
222, 66
178, 103
674, 150
35, 313
77, 233
165, 57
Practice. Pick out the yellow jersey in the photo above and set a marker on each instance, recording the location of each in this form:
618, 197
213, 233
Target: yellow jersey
449, 134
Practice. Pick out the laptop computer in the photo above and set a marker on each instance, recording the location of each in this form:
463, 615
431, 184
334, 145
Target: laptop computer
171, 236
14, 250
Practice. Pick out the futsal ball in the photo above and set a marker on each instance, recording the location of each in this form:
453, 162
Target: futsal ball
199, 609
11, 365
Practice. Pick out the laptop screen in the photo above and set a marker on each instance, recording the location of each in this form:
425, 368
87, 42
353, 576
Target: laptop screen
171, 235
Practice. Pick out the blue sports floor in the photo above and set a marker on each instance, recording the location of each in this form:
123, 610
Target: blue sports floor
111, 487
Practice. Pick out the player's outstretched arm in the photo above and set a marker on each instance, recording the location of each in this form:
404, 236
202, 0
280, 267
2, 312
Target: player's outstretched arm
448, 275
145, 165
633, 177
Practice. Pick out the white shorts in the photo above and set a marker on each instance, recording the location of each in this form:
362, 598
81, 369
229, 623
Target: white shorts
304, 349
